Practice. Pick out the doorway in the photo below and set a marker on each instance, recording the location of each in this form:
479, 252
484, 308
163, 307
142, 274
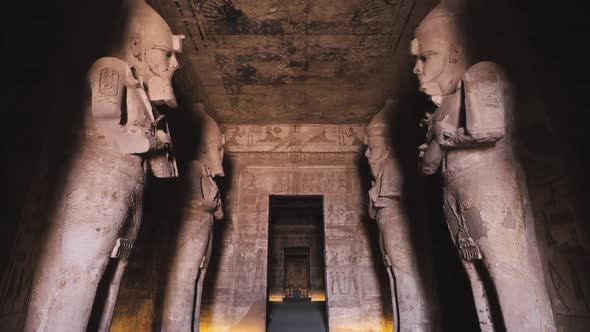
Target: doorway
296, 274
296, 268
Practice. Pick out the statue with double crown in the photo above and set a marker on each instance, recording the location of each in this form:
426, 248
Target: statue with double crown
192, 249
413, 305
470, 141
122, 140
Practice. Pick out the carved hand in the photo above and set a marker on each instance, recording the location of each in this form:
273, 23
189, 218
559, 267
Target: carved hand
426, 121
159, 141
163, 137
443, 131
431, 157
461, 139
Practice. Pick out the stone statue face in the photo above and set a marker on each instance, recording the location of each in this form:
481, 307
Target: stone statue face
431, 60
377, 155
212, 141
151, 50
378, 152
211, 154
440, 60
161, 64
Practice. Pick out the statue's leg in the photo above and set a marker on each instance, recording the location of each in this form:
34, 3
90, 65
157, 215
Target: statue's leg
190, 248
509, 268
95, 203
412, 297
495, 218
482, 305
131, 231
392, 287
201, 279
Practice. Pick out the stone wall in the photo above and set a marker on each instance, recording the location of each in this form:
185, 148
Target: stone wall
563, 241
237, 301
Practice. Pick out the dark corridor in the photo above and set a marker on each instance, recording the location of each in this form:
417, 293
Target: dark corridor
296, 269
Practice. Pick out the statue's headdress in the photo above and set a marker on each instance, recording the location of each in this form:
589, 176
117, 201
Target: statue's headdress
441, 23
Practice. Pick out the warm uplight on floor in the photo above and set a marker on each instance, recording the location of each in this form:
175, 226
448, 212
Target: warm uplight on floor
205, 327
275, 298
388, 325
318, 297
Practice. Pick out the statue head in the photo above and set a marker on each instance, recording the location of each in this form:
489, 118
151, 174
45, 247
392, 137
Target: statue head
150, 49
440, 57
211, 144
377, 139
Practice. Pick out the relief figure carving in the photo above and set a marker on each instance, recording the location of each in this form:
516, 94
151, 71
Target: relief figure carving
356, 141
343, 282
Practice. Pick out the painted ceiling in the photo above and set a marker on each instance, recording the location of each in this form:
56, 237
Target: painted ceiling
293, 61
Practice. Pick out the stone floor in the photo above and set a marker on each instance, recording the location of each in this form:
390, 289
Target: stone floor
297, 317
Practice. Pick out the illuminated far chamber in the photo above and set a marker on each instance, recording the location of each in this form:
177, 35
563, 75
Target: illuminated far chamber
315, 297
296, 268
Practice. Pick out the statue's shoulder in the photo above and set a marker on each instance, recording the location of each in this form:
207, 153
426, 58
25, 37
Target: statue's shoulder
484, 72
486, 101
485, 65
109, 68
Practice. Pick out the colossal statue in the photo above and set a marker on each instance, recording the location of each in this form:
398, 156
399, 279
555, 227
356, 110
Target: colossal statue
470, 140
183, 294
408, 287
123, 139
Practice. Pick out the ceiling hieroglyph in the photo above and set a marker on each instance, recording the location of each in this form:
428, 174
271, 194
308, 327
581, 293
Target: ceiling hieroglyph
293, 61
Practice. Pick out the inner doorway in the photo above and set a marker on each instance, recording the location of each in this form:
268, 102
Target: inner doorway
296, 274
296, 268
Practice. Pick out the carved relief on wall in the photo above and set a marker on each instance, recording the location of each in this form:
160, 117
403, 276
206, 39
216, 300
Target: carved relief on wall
342, 282
246, 270
252, 225
293, 138
294, 159
566, 258
332, 175
303, 181
340, 253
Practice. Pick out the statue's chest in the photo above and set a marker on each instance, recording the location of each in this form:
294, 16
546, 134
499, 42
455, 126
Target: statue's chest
450, 110
137, 111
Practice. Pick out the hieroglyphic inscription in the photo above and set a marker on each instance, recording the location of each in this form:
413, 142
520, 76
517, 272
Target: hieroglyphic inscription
294, 138
109, 82
294, 159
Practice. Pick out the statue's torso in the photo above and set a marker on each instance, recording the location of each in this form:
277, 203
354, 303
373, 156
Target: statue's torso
204, 197
474, 161
133, 126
